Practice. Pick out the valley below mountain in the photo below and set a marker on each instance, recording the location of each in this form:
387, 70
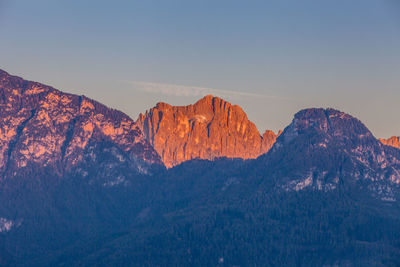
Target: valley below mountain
82, 185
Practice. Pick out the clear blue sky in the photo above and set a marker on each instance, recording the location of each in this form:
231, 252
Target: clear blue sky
271, 57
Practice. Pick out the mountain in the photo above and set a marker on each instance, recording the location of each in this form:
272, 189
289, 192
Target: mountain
393, 141
325, 148
70, 169
41, 126
209, 129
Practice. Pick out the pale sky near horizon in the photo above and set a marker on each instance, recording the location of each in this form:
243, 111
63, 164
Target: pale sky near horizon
273, 58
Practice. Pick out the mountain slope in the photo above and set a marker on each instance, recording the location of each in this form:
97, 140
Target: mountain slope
208, 129
40, 125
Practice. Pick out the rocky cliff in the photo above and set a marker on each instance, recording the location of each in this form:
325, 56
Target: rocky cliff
393, 141
208, 129
42, 126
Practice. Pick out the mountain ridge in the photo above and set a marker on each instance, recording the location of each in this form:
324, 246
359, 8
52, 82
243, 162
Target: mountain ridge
208, 129
45, 126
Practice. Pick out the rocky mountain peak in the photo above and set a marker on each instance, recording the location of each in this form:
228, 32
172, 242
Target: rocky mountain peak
322, 148
42, 126
329, 121
207, 129
393, 141
162, 105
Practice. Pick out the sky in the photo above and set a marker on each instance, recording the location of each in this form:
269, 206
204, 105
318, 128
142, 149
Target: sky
273, 58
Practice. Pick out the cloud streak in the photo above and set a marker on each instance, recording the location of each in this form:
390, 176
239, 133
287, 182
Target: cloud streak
187, 91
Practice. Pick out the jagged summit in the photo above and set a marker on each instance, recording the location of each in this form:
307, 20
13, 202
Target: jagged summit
208, 98
393, 141
207, 129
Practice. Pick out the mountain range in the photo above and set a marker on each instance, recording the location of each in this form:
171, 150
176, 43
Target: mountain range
42, 125
82, 184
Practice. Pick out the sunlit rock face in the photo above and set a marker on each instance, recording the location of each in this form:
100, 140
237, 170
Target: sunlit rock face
393, 141
208, 129
41, 125
324, 148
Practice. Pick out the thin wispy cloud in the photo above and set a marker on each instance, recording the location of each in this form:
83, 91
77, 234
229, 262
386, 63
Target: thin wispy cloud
183, 90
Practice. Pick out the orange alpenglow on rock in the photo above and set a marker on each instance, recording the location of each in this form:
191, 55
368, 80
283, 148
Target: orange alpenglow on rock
209, 129
42, 126
392, 141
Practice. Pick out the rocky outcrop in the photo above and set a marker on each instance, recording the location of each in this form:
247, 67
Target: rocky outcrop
208, 129
393, 141
41, 125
